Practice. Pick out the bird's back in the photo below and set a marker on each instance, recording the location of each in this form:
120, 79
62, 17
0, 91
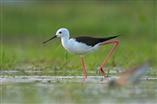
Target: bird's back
92, 41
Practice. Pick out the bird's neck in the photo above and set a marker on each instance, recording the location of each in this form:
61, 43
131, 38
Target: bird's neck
64, 40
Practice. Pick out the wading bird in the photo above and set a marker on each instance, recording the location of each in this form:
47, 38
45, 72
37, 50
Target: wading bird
83, 45
130, 76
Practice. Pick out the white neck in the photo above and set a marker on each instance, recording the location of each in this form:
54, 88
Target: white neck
64, 41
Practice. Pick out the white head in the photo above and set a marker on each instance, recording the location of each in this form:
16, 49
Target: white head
62, 33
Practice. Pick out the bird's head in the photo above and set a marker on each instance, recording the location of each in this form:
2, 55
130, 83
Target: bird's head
62, 33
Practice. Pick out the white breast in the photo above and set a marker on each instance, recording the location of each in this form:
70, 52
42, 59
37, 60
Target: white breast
77, 47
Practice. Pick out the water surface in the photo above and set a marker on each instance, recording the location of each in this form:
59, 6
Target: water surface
72, 90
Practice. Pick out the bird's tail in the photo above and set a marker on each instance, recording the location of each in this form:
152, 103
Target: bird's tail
108, 38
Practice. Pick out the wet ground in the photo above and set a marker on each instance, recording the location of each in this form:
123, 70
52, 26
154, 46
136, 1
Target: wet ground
73, 90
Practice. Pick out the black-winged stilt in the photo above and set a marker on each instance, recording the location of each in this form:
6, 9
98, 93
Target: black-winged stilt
83, 45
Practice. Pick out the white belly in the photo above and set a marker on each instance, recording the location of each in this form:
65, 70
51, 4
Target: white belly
78, 48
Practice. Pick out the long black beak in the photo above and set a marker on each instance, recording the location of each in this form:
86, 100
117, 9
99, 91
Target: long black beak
49, 39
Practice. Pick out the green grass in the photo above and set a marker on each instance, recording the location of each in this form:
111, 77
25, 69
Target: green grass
25, 27
52, 57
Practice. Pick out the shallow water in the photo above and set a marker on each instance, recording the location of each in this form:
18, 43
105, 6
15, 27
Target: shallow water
72, 90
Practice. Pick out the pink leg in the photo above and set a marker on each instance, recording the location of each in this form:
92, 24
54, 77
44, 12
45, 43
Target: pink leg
115, 43
84, 68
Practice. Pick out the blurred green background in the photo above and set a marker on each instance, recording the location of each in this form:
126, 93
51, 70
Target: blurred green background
26, 24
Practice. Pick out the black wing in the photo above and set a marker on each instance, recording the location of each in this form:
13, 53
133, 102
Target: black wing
91, 41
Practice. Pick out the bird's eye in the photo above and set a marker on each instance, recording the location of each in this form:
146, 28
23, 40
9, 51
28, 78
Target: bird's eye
60, 32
